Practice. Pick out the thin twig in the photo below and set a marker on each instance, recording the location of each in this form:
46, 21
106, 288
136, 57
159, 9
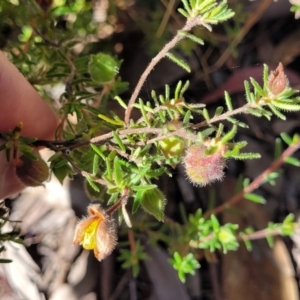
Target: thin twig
258, 181
180, 132
122, 201
259, 234
131, 241
98, 180
196, 21
224, 116
165, 19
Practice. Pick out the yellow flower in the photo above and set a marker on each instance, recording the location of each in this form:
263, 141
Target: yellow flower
96, 232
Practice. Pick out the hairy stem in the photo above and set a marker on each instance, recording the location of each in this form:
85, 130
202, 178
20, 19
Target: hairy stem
258, 181
225, 115
196, 21
259, 234
242, 236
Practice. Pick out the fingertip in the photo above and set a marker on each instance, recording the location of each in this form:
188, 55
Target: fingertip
20, 102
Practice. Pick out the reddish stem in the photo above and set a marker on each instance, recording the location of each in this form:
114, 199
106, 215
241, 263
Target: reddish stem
258, 181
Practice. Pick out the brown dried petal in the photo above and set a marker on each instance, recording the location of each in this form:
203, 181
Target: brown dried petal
105, 239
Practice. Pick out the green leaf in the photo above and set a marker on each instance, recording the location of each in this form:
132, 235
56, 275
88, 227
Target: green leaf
265, 77
187, 117
206, 114
206, 132
119, 141
215, 223
140, 174
111, 121
255, 198
229, 135
184, 89
108, 169
92, 184
177, 90
143, 111
144, 187
288, 225
62, 172
98, 151
121, 102
205, 6
270, 240
118, 173
248, 244
153, 201
257, 87
220, 131
191, 37
27, 152
248, 92
167, 92
186, 7
219, 111
241, 144
293, 161
179, 62
228, 101
146, 108
95, 164
137, 201
255, 112
60, 162
236, 122
296, 138
286, 106
243, 156
286, 138
246, 182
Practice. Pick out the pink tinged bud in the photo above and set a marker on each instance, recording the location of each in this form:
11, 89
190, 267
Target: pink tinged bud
277, 82
202, 168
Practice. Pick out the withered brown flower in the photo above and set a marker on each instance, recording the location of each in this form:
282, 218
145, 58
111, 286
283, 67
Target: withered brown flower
96, 232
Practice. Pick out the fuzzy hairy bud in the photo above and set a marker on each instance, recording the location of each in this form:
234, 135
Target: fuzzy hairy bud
277, 82
202, 168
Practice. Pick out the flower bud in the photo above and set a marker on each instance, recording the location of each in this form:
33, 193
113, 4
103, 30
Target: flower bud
32, 172
202, 168
226, 236
103, 68
172, 147
277, 82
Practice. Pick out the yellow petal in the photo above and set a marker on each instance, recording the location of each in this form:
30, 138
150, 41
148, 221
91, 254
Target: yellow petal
80, 229
89, 237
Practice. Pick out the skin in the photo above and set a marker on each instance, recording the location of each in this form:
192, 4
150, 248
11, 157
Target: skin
19, 102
